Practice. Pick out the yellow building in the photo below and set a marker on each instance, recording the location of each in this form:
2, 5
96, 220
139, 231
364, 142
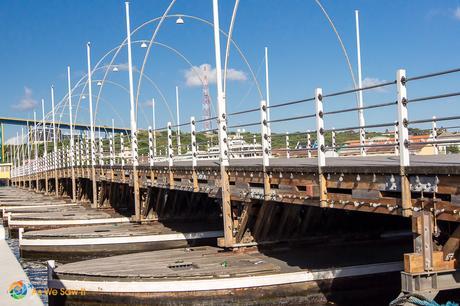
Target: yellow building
5, 171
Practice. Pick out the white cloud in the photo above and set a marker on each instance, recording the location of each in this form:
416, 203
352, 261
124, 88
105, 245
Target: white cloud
16, 140
374, 81
123, 67
457, 13
444, 13
195, 75
148, 103
27, 102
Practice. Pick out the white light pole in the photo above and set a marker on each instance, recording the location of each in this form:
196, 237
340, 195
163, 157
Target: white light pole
93, 156
222, 118
267, 94
28, 154
133, 119
222, 129
56, 180
267, 83
15, 151
36, 151
22, 150
178, 122
362, 123
44, 145
72, 145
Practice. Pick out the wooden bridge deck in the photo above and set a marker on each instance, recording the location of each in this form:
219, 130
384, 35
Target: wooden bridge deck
381, 163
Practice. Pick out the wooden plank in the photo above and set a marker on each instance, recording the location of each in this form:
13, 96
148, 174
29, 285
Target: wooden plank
413, 262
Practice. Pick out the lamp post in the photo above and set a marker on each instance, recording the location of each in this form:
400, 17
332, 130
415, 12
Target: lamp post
362, 123
36, 151
28, 155
93, 156
267, 88
134, 151
44, 146
23, 155
56, 179
222, 130
15, 161
72, 144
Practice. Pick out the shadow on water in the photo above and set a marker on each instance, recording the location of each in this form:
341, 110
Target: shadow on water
335, 238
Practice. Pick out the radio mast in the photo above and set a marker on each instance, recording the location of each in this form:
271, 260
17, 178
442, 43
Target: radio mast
206, 107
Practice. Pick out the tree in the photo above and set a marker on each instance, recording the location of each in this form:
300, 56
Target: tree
453, 149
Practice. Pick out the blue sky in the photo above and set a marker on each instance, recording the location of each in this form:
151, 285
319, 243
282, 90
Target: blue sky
40, 38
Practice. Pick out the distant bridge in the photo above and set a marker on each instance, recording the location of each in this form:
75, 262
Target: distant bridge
62, 125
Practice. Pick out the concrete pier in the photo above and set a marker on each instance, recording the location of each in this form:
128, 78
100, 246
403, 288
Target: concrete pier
12, 272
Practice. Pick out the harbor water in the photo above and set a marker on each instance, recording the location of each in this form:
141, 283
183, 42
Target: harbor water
35, 269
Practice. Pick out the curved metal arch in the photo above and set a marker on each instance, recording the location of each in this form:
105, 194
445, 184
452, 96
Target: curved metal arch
209, 23
235, 45
339, 38
177, 52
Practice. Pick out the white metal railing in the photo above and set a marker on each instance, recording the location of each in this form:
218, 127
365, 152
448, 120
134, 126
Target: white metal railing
400, 142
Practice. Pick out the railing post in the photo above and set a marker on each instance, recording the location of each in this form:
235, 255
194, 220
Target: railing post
64, 156
396, 138
194, 153
101, 152
112, 156
321, 148
264, 131
362, 138
54, 164
170, 156
122, 150
81, 156
151, 156
404, 159
287, 145
434, 136
265, 134
94, 202
154, 132
308, 145
170, 146
151, 161
334, 142
78, 152
87, 162
69, 159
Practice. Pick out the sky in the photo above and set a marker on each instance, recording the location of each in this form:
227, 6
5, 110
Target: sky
41, 38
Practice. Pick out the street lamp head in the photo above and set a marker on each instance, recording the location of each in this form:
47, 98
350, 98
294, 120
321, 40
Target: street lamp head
180, 20
83, 97
143, 45
99, 83
115, 69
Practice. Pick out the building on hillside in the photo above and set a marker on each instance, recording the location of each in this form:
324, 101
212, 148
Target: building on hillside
385, 145
453, 146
